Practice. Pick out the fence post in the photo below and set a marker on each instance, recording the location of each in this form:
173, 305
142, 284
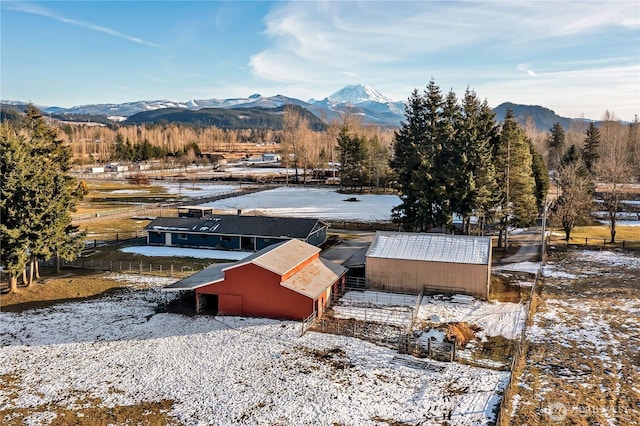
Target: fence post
111, 265
586, 242
172, 270
141, 267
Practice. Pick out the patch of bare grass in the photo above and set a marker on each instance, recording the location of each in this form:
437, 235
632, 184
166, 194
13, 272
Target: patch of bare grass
73, 284
581, 358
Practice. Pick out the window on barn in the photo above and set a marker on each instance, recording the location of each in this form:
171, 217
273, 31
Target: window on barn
226, 238
182, 236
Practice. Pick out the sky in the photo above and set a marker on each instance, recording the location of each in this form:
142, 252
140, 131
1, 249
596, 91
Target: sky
578, 58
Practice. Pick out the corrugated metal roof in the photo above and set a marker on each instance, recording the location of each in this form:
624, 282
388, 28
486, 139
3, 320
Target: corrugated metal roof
280, 258
431, 247
315, 278
209, 275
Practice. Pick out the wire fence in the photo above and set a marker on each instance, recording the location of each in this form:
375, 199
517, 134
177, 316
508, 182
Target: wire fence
163, 209
519, 353
141, 268
591, 242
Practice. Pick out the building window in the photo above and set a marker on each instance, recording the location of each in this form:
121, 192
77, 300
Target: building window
226, 239
182, 236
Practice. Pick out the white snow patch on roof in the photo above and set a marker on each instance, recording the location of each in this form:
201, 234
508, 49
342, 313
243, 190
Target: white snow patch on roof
431, 247
186, 252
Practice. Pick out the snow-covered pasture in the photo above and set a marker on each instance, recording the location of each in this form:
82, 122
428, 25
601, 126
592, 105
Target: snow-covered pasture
223, 370
318, 203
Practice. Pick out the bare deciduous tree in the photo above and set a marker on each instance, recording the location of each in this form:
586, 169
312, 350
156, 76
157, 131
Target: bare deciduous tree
614, 168
575, 204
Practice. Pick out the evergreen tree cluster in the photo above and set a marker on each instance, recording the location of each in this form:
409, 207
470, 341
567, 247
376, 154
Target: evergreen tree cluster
145, 151
452, 159
37, 199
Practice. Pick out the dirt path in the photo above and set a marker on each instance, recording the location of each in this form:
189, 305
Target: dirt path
529, 250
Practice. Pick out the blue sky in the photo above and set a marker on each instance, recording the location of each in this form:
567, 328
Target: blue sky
577, 58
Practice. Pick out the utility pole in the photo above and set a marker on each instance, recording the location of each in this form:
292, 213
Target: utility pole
506, 225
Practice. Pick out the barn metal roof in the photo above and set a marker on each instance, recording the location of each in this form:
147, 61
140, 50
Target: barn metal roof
280, 258
315, 278
211, 274
258, 226
431, 247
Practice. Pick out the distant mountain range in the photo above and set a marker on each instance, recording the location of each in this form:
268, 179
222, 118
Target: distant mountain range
259, 111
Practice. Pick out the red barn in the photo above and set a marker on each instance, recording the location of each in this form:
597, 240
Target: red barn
286, 281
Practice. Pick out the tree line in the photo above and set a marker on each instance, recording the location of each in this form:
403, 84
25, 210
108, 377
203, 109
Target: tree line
452, 159
37, 198
604, 161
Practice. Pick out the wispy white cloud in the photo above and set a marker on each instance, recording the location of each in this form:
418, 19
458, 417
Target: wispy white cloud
34, 9
572, 93
397, 46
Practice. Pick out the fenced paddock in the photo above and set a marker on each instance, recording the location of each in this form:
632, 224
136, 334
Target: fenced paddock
396, 309
381, 334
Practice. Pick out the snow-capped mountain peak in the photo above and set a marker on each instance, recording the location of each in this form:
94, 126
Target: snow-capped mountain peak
357, 94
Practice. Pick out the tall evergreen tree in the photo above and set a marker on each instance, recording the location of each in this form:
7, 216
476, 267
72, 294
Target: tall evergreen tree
591, 146
555, 145
453, 167
517, 200
478, 133
15, 161
36, 211
352, 152
406, 161
433, 207
540, 174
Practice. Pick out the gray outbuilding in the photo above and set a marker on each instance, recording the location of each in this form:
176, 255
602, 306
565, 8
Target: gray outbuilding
409, 262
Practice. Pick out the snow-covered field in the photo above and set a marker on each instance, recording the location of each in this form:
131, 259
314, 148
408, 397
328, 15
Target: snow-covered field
312, 202
583, 361
117, 351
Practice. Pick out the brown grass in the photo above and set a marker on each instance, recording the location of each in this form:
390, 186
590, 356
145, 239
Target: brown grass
71, 285
592, 377
92, 413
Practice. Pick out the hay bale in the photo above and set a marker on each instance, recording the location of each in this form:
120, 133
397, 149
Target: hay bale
460, 332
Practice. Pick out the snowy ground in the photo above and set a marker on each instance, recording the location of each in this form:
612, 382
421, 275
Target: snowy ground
186, 252
117, 351
583, 360
495, 318
312, 202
